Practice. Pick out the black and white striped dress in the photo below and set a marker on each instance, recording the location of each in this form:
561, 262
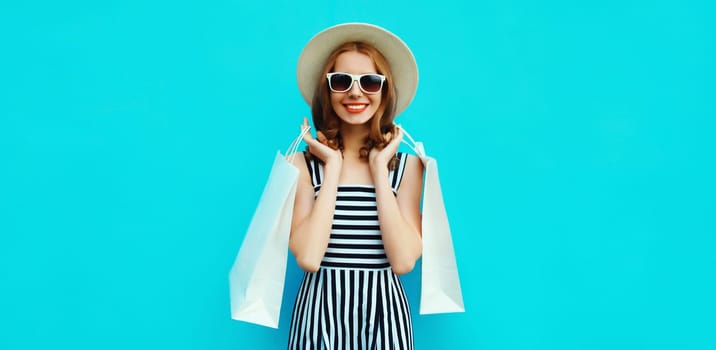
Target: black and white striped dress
354, 300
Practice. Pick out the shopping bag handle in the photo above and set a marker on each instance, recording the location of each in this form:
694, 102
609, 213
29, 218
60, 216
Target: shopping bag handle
293, 148
417, 147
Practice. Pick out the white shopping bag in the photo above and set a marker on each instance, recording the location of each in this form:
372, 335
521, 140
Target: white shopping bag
257, 277
440, 284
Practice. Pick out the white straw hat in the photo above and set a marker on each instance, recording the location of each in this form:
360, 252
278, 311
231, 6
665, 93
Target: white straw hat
396, 52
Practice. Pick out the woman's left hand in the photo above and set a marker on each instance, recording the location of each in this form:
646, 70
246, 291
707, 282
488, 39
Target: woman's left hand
379, 159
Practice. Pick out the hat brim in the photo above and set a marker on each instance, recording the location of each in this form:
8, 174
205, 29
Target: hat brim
400, 59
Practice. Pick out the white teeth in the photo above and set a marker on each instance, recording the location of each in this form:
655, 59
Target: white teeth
355, 107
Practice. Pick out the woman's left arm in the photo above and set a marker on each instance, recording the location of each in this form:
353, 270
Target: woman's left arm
399, 216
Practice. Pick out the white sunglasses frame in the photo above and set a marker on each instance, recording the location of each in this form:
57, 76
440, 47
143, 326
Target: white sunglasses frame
354, 78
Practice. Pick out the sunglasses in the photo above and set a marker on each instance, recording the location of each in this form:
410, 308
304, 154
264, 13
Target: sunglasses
368, 83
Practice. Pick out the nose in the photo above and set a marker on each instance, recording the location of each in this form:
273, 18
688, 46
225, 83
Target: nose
355, 90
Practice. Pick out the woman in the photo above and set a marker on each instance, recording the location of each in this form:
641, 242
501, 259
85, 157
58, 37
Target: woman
356, 220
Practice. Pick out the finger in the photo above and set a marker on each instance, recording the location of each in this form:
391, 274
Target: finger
307, 137
321, 137
392, 146
304, 126
314, 144
388, 137
398, 135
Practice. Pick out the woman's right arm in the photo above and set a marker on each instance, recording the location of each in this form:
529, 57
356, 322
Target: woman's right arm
312, 218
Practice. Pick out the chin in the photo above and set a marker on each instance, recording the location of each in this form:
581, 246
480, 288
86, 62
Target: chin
357, 119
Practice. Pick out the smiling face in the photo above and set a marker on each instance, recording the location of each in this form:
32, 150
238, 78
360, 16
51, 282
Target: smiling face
331, 111
354, 106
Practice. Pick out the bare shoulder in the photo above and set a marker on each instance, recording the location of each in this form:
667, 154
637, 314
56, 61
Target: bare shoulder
412, 181
411, 190
299, 161
413, 167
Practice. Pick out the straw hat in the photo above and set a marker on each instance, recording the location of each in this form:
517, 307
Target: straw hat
396, 52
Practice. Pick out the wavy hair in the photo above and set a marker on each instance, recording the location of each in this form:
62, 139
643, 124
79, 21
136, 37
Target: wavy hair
327, 121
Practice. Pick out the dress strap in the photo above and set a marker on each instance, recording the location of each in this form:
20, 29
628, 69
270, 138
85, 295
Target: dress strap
315, 169
396, 175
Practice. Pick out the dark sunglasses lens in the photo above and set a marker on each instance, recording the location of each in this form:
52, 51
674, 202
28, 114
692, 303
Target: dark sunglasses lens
371, 83
340, 82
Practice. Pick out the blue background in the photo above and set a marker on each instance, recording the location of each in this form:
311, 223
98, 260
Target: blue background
575, 141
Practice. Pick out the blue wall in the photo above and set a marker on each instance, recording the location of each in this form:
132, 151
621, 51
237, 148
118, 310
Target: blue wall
575, 141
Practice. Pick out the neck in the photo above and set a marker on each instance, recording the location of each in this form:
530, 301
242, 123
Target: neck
353, 138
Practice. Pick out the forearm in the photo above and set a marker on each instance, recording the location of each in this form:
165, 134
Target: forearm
401, 239
309, 239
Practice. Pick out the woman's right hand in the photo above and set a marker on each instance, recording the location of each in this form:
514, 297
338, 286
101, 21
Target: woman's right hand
331, 158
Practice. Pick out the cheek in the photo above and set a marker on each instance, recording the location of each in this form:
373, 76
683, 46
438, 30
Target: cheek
375, 100
335, 101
